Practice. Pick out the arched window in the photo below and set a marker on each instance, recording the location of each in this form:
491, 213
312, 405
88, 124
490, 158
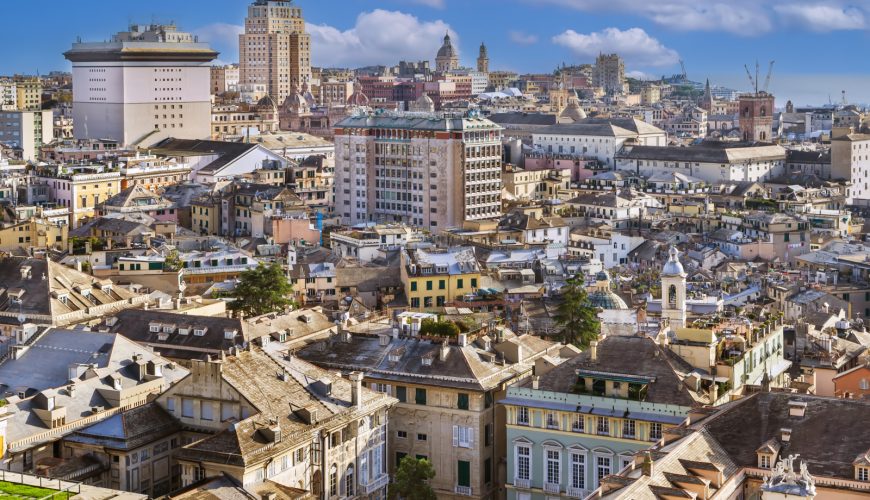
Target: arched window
333, 480
672, 296
348, 481
763, 111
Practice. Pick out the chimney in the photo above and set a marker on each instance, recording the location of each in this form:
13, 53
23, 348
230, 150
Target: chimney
647, 465
443, 351
463, 340
536, 382
714, 392
593, 351
71, 390
785, 434
356, 391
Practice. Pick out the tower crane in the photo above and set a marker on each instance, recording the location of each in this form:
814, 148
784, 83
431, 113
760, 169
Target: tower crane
767, 78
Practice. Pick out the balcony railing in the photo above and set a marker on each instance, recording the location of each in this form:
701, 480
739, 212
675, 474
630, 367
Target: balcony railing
376, 484
552, 487
462, 490
522, 483
576, 492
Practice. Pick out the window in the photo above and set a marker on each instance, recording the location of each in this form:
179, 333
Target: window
170, 405
603, 467
603, 425
863, 474
487, 434
463, 473
655, 431
413, 286
552, 421
422, 437
428, 285
628, 427
401, 393
206, 410
463, 437
442, 284
764, 461
522, 416
399, 456
553, 462
459, 283
420, 396
348, 481
333, 480
579, 423
462, 401
402, 434
187, 408
524, 462
578, 471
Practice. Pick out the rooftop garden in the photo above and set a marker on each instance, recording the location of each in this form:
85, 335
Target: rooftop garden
18, 490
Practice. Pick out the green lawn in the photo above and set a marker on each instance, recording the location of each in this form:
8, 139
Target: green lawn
16, 490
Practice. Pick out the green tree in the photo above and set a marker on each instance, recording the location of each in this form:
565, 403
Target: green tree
576, 316
412, 480
262, 290
172, 261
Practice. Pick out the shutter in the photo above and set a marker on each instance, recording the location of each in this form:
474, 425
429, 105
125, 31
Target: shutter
471, 437
455, 435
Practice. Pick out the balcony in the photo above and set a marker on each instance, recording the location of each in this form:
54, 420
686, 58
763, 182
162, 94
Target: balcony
552, 488
577, 492
376, 484
522, 483
462, 490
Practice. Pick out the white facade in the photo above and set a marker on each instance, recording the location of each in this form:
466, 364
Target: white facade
28, 130
753, 164
850, 160
601, 142
140, 92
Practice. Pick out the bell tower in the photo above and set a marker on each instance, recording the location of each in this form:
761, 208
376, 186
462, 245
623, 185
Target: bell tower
483, 60
674, 290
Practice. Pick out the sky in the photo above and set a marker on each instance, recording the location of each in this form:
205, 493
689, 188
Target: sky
820, 47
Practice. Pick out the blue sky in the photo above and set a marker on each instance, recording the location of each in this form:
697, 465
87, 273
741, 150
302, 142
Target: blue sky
820, 46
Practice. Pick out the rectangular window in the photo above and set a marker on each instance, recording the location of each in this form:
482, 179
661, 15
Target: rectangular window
402, 434
206, 410
603, 425
422, 437
459, 284
462, 401
463, 473
603, 467
399, 456
552, 421
420, 396
765, 461
522, 416
524, 459
487, 471
628, 427
463, 437
655, 431
413, 286
473, 282
863, 474
578, 471
428, 285
401, 393
579, 423
442, 284
187, 408
553, 462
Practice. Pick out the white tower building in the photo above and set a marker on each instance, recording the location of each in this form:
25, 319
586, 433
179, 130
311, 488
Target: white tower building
674, 290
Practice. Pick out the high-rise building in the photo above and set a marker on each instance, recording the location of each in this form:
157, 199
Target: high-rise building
275, 49
447, 58
483, 60
28, 93
224, 79
756, 116
430, 170
143, 86
27, 131
609, 73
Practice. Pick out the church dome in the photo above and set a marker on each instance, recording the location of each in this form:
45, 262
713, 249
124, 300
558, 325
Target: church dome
447, 49
607, 300
357, 98
573, 111
424, 103
672, 266
267, 102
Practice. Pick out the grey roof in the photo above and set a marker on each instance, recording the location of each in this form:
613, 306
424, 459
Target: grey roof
129, 430
638, 356
829, 437
35, 299
819, 157
227, 151
417, 121
519, 118
606, 127
725, 153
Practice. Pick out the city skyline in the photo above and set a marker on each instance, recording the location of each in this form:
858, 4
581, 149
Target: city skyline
715, 41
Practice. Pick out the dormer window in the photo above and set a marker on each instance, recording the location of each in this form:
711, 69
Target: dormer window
764, 461
162, 337
552, 422
199, 331
427, 360
168, 328
154, 327
184, 330
229, 334
862, 473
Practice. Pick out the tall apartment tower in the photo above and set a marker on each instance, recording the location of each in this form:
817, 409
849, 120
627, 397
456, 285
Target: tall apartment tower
609, 73
430, 170
756, 116
146, 84
483, 60
274, 50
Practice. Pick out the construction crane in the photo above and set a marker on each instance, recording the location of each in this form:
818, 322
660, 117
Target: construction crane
683, 67
753, 81
767, 78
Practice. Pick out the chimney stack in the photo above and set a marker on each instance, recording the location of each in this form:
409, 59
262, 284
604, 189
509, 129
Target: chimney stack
593, 351
443, 351
356, 391
536, 382
647, 466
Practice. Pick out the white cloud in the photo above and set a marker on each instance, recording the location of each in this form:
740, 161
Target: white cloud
523, 38
822, 18
634, 45
639, 75
378, 37
222, 37
435, 4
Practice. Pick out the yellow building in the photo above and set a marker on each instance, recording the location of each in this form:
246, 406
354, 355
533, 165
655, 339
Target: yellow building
205, 215
435, 279
33, 233
29, 94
